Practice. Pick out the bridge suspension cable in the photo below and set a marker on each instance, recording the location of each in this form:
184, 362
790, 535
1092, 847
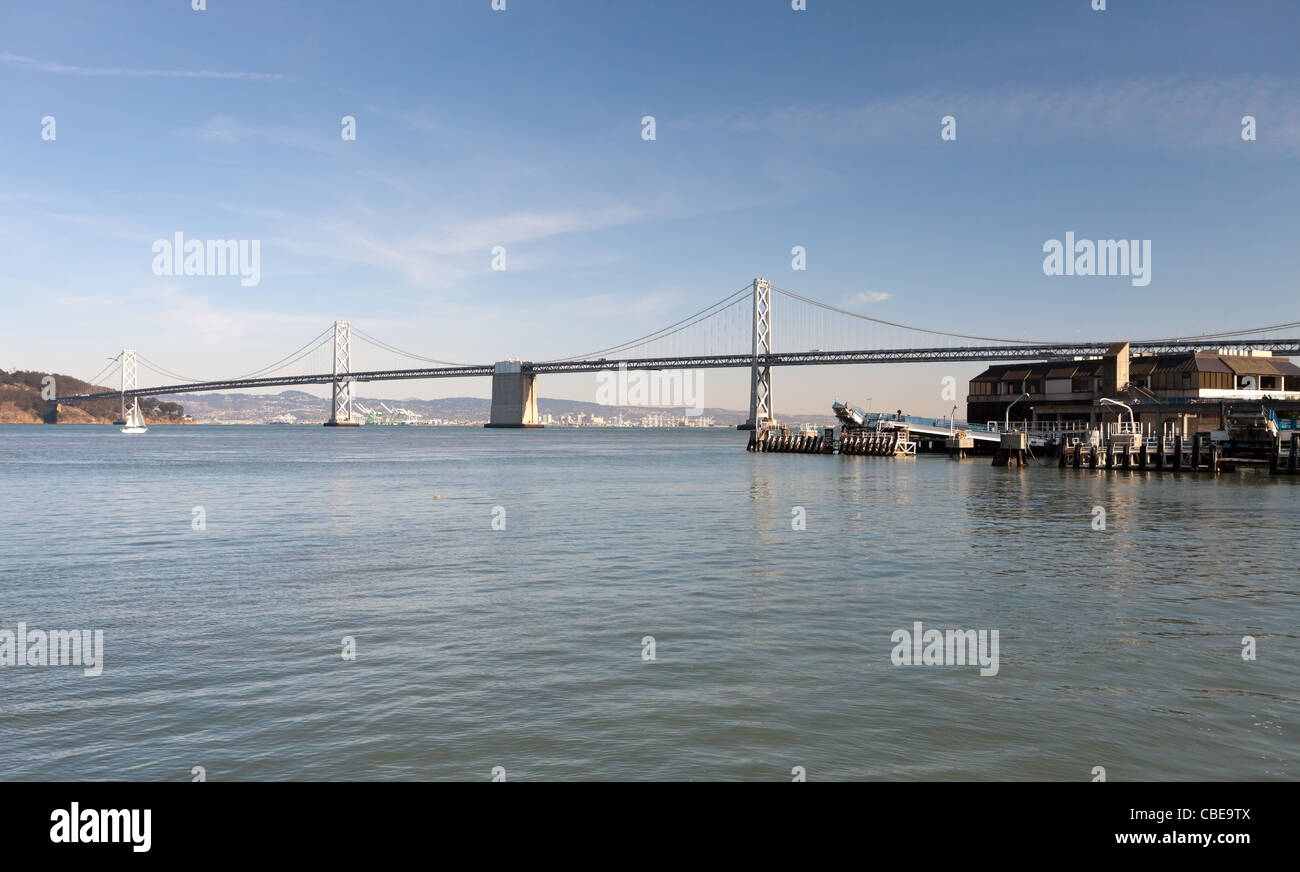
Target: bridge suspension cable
830, 308
379, 343
288, 360
720, 334
1222, 335
708, 312
293, 357
158, 370
113, 363
1228, 333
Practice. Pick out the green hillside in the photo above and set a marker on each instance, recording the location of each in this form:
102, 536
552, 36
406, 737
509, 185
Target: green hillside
21, 402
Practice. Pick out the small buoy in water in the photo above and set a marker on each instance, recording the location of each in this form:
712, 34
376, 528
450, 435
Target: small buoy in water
436, 497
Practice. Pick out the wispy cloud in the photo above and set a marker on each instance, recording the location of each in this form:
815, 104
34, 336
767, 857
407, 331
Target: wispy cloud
1145, 114
449, 250
84, 302
129, 72
180, 313
482, 234
866, 298
417, 121
228, 130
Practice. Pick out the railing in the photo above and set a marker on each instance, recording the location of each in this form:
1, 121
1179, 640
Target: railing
1054, 428
875, 420
1045, 428
1084, 431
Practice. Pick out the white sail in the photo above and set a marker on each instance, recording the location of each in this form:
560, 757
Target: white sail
135, 421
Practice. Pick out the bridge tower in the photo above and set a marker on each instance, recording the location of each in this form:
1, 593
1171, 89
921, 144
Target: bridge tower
341, 408
760, 374
129, 377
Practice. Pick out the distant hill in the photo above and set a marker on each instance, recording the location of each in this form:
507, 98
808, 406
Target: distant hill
308, 409
21, 402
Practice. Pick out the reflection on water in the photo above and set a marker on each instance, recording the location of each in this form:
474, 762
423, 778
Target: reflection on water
521, 646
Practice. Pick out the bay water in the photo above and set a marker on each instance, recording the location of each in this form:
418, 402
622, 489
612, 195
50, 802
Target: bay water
626, 604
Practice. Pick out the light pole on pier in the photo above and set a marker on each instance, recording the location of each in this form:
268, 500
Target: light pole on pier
1007, 426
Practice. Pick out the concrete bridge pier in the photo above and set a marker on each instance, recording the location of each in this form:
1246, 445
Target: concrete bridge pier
514, 396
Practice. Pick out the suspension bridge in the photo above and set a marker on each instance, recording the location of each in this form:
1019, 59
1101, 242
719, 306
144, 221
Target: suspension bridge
735, 332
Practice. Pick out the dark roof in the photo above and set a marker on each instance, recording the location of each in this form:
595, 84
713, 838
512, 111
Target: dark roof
1047, 369
1261, 365
1144, 365
1211, 364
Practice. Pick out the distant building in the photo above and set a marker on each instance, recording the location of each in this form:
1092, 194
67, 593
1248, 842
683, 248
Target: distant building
1186, 383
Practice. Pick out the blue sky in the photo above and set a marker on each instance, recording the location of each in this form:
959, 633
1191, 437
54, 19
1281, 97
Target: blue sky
522, 128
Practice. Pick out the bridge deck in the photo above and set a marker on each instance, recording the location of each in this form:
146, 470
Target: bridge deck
1048, 351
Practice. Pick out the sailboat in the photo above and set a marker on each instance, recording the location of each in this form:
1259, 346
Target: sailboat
134, 421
